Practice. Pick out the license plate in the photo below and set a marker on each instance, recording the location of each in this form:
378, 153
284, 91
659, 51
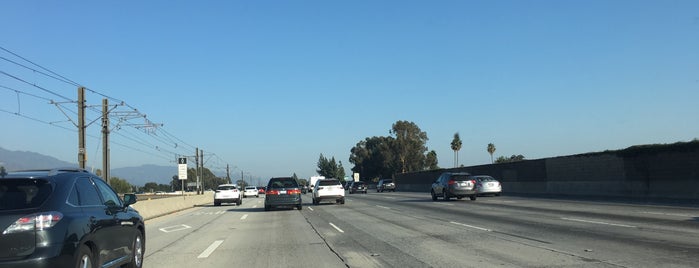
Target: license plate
282, 192
466, 184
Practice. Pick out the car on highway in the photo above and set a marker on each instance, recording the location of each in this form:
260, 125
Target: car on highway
386, 185
304, 189
261, 190
487, 185
357, 187
328, 189
454, 184
251, 191
67, 218
283, 192
227, 193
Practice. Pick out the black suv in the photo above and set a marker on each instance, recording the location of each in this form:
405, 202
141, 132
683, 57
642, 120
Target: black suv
67, 218
283, 192
386, 185
357, 187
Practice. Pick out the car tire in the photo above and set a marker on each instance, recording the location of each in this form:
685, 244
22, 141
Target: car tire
267, 208
217, 203
240, 202
342, 201
434, 196
137, 252
85, 258
473, 197
446, 196
299, 207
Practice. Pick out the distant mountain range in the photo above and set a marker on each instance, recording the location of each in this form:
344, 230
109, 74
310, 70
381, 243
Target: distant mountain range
21, 160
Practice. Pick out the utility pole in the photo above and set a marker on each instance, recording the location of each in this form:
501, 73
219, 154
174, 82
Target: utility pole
105, 140
82, 153
228, 173
196, 171
202, 171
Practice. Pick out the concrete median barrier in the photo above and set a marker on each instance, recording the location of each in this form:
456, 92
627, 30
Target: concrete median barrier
153, 208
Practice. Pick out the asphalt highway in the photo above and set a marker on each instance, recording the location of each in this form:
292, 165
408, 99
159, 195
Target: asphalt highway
410, 230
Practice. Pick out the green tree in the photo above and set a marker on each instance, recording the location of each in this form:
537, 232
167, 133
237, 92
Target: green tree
3, 171
120, 185
373, 158
431, 160
409, 146
456, 147
491, 151
513, 158
150, 187
330, 168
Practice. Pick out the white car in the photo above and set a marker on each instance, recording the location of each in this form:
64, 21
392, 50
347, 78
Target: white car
227, 193
251, 191
328, 189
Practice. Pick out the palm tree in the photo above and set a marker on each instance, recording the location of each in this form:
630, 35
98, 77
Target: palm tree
456, 146
491, 151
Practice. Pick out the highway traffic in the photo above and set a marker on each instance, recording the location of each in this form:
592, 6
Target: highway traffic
406, 229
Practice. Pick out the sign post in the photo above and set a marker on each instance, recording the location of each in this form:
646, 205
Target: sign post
182, 171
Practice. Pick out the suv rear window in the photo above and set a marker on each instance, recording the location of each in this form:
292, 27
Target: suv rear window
329, 182
387, 181
282, 183
23, 193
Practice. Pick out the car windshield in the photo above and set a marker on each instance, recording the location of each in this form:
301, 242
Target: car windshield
358, 184
485, 179
249, 188
23, 193
227, 187
329, 182
460, 177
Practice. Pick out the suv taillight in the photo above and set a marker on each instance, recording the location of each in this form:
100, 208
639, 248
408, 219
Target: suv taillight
272, 192
38, 221
450, 182
295, 191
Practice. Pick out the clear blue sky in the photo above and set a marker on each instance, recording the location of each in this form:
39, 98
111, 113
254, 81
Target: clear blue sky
267, 86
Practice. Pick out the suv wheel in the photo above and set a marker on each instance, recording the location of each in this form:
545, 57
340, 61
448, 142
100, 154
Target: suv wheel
85, 258
473, 197
434, 196
137, 260
446, 196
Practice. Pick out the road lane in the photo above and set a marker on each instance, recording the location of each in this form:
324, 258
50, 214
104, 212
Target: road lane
600, 235
410, 230
228, 236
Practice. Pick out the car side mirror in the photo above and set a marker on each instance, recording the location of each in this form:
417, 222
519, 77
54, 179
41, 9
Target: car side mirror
129, 199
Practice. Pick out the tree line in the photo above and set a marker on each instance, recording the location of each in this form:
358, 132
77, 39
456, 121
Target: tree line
404, 150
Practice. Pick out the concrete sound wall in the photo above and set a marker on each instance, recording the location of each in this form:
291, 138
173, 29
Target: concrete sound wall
668, 172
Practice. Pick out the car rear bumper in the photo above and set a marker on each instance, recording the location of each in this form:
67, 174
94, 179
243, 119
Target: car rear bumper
52, 256
462, 192
226, 200
282, 200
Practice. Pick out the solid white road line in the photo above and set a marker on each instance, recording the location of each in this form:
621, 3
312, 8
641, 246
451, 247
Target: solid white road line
599, 222
383, 207
210, 249
336, 228
244, 217
471, 226
310, 208
670, 214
